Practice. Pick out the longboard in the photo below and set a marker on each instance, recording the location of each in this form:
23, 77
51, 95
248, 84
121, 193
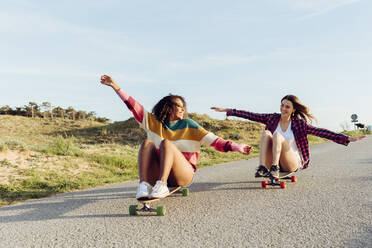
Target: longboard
277, 181
160, 210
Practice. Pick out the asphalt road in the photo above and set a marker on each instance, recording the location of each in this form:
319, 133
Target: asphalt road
329, 206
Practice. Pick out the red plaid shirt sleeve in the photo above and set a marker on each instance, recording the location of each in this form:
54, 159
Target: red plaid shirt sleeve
327, 134
263, 118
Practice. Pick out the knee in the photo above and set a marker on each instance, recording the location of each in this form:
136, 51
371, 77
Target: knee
184, 182
278, 137
147, 144
266, 134
164, 144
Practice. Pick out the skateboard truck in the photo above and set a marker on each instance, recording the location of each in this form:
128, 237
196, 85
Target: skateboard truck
147, 208
160, 210
276, 181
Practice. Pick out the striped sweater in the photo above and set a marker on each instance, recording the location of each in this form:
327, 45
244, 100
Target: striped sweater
186, 134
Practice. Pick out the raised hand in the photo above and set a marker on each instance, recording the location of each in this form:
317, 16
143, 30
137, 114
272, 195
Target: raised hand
219, 109
109, 81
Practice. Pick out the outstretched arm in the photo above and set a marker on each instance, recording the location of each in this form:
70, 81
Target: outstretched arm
330, 135
220, 109
263, 118
223, 145
136, 108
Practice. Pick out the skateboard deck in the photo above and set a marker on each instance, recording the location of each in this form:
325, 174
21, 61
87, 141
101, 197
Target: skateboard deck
160, 210
277, 181
286, 175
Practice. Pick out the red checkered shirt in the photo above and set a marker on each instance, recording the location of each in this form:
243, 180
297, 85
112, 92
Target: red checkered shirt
299, 127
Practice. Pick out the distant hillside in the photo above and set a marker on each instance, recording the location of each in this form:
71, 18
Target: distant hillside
128, 132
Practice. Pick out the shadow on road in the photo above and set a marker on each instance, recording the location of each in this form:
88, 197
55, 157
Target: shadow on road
222, 186
61, 206
57, 207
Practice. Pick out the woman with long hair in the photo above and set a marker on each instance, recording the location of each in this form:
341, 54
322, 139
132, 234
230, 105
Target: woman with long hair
283, 144
169, 155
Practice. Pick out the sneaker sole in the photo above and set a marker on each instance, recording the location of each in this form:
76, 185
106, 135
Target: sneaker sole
158, 197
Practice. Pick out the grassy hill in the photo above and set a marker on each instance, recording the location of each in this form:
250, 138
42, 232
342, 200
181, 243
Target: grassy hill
40, 157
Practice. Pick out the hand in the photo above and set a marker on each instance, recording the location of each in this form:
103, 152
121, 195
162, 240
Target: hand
109, 81
354, 139
242, 148
247, 149
219, 109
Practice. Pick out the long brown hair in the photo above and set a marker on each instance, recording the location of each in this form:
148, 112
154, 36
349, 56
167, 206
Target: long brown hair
164, 108
301, 111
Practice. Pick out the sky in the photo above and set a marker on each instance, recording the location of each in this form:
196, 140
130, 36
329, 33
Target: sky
234, 54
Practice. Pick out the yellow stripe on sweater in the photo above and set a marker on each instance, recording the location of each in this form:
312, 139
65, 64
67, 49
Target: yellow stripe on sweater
185, 134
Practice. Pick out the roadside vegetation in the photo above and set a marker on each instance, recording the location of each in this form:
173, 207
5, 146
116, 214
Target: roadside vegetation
46, 110
44, 156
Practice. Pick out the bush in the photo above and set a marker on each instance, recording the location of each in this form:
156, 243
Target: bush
13, 144
63, 147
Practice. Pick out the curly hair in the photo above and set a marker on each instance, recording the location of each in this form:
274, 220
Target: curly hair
301, 111
164, 108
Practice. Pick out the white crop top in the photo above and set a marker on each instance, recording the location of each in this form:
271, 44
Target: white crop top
288, 135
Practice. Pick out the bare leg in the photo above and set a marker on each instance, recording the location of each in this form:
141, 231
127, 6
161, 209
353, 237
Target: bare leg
266, 155
173, 165
148, 162
283, 152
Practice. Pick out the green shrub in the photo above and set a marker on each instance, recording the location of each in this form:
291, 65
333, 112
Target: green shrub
115, 161
12, 144
64, 147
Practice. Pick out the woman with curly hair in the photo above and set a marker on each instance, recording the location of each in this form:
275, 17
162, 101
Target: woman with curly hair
284, 145
169, 155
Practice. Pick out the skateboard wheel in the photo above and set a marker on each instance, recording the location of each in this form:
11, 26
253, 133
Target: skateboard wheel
282, 185
293, 179
264, 184
133, 209
160, 211
185, 192
277, 179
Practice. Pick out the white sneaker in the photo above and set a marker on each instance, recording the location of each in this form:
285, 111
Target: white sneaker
160, 190
143, 190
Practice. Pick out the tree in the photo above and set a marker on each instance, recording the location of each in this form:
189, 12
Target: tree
91, 115
80, 115
6, 110
47, 109
71, 112
32, 109
20, 111
59, 112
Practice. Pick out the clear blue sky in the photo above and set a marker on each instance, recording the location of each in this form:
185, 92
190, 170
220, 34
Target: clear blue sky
238, 54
